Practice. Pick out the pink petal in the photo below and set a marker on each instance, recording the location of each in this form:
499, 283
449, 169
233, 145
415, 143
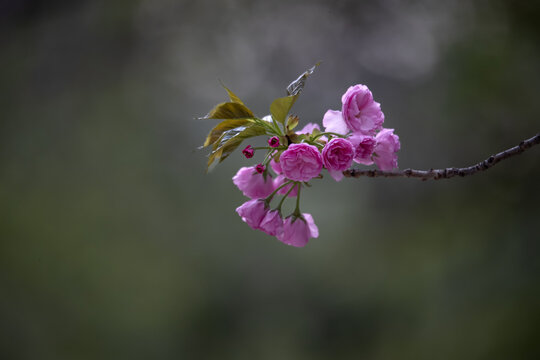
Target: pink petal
333, 122
314, 230
336, 174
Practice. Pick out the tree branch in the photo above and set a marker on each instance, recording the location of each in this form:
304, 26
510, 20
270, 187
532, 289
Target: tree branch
448, 173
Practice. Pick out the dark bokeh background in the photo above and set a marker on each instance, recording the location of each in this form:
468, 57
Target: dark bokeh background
115, 244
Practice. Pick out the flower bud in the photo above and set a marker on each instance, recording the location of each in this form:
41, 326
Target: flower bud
248, 152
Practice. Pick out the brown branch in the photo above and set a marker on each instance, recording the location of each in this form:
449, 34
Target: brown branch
448, 173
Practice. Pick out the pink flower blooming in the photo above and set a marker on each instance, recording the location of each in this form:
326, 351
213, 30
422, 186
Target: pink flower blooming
301, 162
364, 146
252, 183
359, 113
248, 152
280, 180
273, 141
272, 223
337, 156
298, 231
386, 148
259, 168
252, 212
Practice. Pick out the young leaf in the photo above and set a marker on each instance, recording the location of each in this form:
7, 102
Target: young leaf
229, 110
220, 128
280, 107
297, 85
231, 139
212, 157
292, 122
232, 95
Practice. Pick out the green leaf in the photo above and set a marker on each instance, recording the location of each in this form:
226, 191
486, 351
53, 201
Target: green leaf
297, 85
232, 96
220, 128
231, 139
292, 122
267, 125
229, 110
280, 107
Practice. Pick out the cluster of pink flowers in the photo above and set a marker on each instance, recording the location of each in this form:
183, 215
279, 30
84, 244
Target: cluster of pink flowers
294, 230
354, 134
361, 120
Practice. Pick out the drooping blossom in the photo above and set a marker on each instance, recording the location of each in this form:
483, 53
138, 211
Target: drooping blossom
363, 146
337, 156
298, 231
252, 212
248, 152
273, 141
272, 223
386, 148
280, 180
259, 168
301, 162
252, 183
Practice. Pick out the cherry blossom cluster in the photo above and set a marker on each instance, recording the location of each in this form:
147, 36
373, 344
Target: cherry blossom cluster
355, 134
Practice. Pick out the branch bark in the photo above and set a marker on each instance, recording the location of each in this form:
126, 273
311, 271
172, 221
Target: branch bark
437, 174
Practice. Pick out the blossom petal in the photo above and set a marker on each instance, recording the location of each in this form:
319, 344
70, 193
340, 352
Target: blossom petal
333, 122
336, 174
314, 230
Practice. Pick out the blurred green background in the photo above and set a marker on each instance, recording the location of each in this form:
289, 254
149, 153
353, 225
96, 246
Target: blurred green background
115, 244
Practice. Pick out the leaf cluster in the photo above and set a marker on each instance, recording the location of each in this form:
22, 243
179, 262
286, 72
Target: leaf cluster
239, 123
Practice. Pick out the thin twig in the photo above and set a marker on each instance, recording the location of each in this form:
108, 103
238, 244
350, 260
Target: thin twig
447, 173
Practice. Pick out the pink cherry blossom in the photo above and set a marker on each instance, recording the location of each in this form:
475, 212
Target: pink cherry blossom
337, 156
301, 162
385, 152
272, 223
280, 180
252, 212
361, 113
253, 184
364, 146
298, 231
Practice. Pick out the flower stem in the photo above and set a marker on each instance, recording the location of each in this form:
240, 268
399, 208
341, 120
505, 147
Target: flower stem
315, 143
284, 197
269, 148
297, 212
271, 196
276, 126
327, 133
267, 157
